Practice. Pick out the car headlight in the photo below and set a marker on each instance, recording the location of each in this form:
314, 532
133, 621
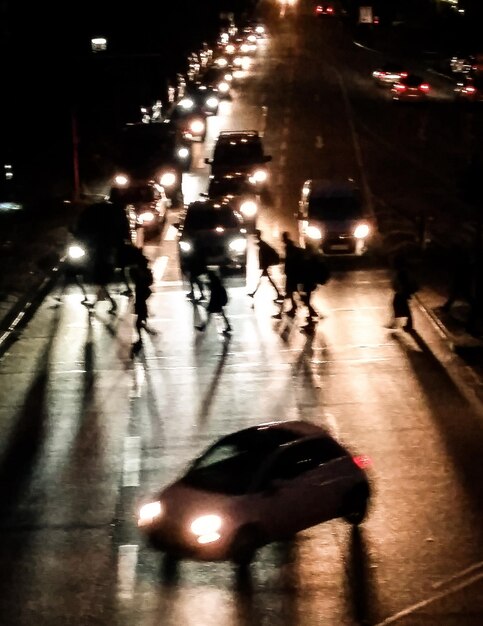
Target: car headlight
245, 47
221, 62
223, 87
146, 217
183, 153
230, 48
259, 176
121, 180
149, 512
197, 127
260, 30
168, 179
238, 61
238, 245
186, 104
76, 252
361, 231
185, 246
228, 77
212, 102
249, 208
313, 232
206, 528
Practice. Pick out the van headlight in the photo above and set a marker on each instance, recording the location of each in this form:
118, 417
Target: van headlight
223, 87
313, 232
259, 176
121, 180
197, 127
149, 512
183, 153
361, 231
76, 252
168, 179
212, 102
249, 208
206, 528
185, 246
238, 245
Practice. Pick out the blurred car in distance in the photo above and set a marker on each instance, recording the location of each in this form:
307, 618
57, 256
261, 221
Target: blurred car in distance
147, 201
410, 88
256, 486
239, 192
389, 74
331, 217
469, 89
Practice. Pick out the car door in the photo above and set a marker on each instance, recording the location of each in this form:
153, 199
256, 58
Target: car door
295, 491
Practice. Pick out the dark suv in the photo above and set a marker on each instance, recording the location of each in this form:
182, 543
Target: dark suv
216, 232
241, 152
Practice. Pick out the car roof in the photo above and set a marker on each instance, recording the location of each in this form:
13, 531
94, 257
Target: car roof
204, 205
329, 188
298, 427
238, 135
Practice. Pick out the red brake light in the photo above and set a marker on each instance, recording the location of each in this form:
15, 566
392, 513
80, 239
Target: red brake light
329, 9
362, 461
400, 87
318, 9
403, 74
424, 87
469, 89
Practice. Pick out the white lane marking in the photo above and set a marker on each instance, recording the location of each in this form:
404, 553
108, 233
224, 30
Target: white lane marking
169, 283
139, 378
283, 160
159, 268
171, 233
319, 142
126, 571
464, 572
131, 467
438, 596
283, 146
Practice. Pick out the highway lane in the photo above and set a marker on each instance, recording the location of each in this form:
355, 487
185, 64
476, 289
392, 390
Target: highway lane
86, 432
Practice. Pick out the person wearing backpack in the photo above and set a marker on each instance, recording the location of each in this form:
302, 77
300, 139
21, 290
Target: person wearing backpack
267, 258
218, 299
315, 272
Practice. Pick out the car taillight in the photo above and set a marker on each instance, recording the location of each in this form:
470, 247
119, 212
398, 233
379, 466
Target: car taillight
362, 461
469, 90
318, 9
330, 9
403, 74
400, 87
424, 87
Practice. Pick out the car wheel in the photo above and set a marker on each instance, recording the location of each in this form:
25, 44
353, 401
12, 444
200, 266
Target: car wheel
247, 540
355, 509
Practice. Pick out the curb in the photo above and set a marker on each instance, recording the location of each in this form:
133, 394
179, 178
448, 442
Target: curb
24, 309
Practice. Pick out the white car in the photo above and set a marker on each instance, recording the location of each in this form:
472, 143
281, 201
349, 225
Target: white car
255, 486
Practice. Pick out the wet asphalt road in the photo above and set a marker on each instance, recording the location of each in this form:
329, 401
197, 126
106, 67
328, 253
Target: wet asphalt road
86, 432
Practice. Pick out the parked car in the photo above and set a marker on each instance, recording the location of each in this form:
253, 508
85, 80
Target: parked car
331, 216
256, 486
216, 231
241, 152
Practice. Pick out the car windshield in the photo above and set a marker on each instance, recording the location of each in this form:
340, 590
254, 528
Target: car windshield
227, 186
238, 152
132, 195
231, 464
209, 219
335, 208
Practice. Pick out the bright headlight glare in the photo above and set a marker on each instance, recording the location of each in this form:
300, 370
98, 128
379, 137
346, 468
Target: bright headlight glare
168, 179
228, 77
197, 127
146, 217
186, 104
361, 231
121, 179
259, 176
212, 102
249, 208
313, 232
221, 62
230, 48
76, 252
238, 61
260, 30
185, 246
223, 87
206, 525
149, 512
183, 153
238, 245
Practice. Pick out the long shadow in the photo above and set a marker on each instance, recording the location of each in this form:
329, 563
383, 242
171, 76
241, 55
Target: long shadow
460, 425
210, 392
362, 599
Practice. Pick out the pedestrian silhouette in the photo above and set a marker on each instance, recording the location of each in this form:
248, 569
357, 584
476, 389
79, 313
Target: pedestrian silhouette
315, 271
405, 286
267, 258
142, 278
293, 265
218, 299
195, 268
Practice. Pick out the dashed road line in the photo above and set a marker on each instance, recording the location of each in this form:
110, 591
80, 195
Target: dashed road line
126, 570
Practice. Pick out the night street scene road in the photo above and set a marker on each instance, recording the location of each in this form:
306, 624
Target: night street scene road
241, 313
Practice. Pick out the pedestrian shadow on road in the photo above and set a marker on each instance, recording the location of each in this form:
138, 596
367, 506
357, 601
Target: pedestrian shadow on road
211, 391
362, 600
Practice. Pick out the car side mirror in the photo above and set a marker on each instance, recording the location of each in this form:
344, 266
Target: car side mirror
208, 161
267, 158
